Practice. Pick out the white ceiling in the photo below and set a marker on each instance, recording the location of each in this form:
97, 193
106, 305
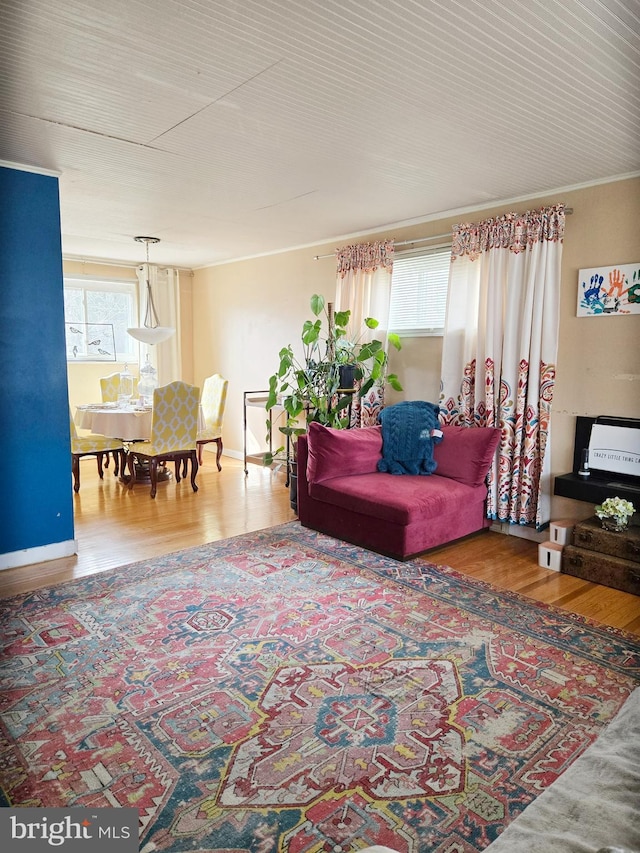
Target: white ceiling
240, 127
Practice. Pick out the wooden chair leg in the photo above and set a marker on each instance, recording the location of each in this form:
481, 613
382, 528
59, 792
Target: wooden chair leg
132, 469
75, 467
194, 470
99, 457
153, 473
116, 462
218, 453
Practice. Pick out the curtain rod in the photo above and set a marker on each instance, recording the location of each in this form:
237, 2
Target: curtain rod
568, 211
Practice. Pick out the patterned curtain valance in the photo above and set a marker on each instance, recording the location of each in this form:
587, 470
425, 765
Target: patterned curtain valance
514, 231
365, 257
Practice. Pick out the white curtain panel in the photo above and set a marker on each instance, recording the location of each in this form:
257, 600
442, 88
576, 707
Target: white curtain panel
366, 293
500, 349
363, 286
165, 287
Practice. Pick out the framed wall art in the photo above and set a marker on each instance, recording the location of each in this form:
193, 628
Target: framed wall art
607, 290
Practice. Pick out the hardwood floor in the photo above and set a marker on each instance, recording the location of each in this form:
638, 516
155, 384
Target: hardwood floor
115, 526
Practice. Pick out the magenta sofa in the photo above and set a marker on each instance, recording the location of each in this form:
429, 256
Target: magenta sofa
341, 492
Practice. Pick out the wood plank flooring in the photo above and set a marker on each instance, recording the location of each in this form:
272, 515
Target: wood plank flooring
115, 526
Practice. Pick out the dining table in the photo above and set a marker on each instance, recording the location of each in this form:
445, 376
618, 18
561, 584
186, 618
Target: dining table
128, 423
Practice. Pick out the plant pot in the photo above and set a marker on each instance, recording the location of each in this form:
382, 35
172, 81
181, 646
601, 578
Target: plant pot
347, 374
293, 486
614, 524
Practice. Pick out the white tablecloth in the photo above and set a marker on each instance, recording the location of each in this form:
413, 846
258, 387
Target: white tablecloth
127, 424
132, 424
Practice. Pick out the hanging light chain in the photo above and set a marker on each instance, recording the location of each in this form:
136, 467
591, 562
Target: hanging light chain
151, 315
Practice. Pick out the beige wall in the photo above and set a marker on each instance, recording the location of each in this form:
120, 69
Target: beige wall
244, 312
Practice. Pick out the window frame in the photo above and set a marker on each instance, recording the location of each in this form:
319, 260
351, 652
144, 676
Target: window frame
419, 331
85, 283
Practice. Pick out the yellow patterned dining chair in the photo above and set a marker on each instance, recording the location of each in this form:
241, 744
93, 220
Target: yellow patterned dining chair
110, 387
214, 399
109, 391
93, 445
174, 427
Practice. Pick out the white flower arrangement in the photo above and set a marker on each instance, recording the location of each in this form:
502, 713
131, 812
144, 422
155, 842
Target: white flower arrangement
616, 508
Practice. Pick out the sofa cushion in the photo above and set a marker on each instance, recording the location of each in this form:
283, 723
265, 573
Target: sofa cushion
341, 452
400, 500
465, 454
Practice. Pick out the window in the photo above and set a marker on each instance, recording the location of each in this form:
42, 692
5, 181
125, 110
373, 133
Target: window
419, 292
97, 314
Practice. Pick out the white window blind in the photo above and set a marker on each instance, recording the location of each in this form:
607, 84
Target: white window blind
419, 293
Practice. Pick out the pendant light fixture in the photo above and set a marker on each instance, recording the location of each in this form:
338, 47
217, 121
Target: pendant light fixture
151, 332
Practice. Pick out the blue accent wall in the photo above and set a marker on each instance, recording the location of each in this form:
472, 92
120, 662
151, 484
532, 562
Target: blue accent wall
36, 505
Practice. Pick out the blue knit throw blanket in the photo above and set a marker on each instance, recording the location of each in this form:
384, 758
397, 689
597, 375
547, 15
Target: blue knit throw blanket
409, 431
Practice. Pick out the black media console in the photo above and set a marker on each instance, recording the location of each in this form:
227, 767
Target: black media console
600, 484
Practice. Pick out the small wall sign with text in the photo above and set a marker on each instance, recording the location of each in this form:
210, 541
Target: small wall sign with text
609, 290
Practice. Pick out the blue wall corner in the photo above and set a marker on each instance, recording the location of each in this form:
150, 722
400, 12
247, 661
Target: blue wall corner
36, 503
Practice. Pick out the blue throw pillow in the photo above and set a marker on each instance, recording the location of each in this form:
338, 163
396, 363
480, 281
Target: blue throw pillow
409, 431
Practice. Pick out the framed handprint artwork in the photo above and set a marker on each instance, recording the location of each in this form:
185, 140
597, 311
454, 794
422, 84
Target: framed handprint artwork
607, 290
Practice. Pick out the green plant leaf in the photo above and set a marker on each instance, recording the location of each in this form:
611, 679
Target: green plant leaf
286, 360
371, 322
365, 387
393, 380
291, 430
311, 331
317, 304
368, 351
343, 402
272, 399
341, 318
394, 340
293, 406
269, 457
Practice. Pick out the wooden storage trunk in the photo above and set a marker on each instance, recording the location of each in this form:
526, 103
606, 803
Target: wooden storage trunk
600, 568
603, 556
591, 535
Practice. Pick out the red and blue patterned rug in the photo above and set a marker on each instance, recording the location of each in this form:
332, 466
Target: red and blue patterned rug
283, 691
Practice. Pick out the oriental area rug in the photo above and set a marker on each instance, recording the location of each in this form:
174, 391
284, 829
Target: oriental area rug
284, 692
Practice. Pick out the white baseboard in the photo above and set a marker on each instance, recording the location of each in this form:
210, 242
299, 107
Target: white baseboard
518, 530
38, 555
233, 454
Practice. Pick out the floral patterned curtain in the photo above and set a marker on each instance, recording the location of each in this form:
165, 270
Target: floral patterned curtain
500, 348
363, 286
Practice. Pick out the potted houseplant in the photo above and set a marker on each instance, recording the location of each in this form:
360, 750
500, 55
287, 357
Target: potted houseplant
615, 513
311, 388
